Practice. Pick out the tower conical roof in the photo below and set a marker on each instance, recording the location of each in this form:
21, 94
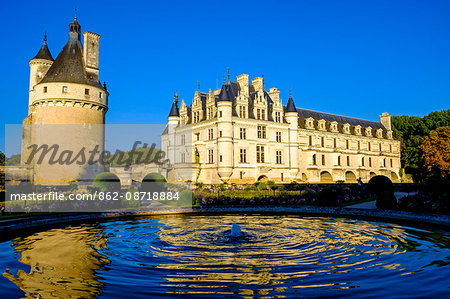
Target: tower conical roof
44, 52
174, 110
290, 107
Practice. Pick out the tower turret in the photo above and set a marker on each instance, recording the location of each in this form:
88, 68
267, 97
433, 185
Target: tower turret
174, 120
292, 118
225, 131
40, 64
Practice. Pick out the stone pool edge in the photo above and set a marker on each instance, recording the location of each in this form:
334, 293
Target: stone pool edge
22, 224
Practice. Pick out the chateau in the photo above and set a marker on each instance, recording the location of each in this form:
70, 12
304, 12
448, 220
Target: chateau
67, 105
243, 133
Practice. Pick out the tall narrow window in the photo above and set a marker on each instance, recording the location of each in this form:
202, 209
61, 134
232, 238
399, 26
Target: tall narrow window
278, 157
262, 132
183, 158
278, 117
323, 159
339, 160
369, 146
220, 133
243, 133
278, 136
310, 141
183, 139
45, 89
334, 142
243, 155
100, 94
210, 134
258, 113
242, 111
260, 154
390, 148
314, 162
362, 161
348, 160
322, 141
370, 162
210, 156
359, 145
391, 163
282, 177
380, 147
220, 158
220, 113
347, 144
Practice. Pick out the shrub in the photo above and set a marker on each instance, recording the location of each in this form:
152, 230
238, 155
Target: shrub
380, 183
187, 198
107, 182
386, 200
327, 197
153, 182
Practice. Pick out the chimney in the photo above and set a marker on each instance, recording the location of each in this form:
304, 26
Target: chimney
258, 83
90, 54
385, 119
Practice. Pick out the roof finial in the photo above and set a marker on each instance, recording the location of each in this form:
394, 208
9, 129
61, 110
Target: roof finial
262, 81
45, 37
75, 12
290, 92
228, 74
223, 77
198, 85
175, 97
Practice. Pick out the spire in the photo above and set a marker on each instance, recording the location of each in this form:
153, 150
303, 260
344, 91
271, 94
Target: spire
198, 85
174, 110
75, 27
290, 107
44, 52
229, 75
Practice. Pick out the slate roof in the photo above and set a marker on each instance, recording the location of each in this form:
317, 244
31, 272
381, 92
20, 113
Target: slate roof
44, 52
69, 66
174, 110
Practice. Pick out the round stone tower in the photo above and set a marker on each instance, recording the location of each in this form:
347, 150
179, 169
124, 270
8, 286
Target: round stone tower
67, 107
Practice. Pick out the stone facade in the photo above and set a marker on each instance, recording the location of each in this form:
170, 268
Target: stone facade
242, 133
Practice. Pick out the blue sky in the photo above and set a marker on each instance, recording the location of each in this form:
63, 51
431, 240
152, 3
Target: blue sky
357, 58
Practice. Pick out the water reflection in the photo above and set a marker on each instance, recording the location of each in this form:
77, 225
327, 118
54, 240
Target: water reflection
62, 262
280, 256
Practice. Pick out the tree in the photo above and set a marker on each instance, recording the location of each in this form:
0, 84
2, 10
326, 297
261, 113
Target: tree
2, 159
436, 151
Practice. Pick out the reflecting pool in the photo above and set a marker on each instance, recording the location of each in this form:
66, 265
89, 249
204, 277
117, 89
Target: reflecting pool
191, 255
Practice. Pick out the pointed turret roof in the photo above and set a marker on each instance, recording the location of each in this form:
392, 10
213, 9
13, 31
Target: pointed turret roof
69, 65
44, 52
174, 110
290, 107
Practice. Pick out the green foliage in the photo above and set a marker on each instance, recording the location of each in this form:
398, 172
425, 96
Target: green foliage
410, 130
260, 185
107, 182
384, 189
327, 197
187, 198
153, 182
2, 159
13, 160
154, 177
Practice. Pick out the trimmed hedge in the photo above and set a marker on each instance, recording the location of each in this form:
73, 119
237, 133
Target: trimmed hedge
107, 182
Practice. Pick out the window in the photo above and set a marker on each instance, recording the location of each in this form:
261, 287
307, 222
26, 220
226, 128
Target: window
323, 159
259, 154
282, 177
241, 174
210, 156
243, 155
322, 141
262, 132
390, 148
278, 117
310, 140
220, 113
347, 144
391, 163
359, 145
369, 146
278, 157
197, 136
45, 89
220, 133
348, 160
380, 147
86, 91
258, 113
278, 136
362, 161
64, 89
339, 161
183, 158
210, 134
370, 162
220, 158
314, 162
243, 133
334, 142
100, 94
242, 111
263, 114
183, 139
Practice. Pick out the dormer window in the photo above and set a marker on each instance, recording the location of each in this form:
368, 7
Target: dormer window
346, 128
389, 134
64, 89
368, 131
334, 126
358, 130
380, 133
321, 124
309, 123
